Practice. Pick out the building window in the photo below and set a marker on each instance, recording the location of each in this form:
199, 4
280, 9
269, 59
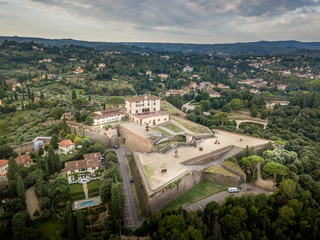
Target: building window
159, 120
154, 109
93, 168
72, 171
136, 111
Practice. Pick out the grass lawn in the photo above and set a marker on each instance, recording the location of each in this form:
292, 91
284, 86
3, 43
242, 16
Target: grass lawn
93, 185
173, 127
52, 228
218, 170
232, 165
76, 188
196, 128
163, 132
162, 144
168, 108
199, 192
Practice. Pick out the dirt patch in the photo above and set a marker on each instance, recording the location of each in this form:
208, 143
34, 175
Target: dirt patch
32, 201
266, 184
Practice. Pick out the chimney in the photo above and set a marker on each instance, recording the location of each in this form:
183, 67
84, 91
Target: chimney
76, 164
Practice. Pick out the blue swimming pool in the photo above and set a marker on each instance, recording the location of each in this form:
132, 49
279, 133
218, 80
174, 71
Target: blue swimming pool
86, 203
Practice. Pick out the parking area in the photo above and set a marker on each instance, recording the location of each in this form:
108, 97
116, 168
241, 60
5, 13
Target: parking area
127, 213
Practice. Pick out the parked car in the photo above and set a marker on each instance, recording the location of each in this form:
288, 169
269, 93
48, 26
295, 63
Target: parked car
233, 190
116, 146
131, 180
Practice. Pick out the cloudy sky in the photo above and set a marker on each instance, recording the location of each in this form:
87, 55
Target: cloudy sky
191, 21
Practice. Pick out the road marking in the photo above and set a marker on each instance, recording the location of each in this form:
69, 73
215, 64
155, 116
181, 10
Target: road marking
191, 208
200, 207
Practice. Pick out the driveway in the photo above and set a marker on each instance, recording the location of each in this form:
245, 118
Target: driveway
220, 197
131, 218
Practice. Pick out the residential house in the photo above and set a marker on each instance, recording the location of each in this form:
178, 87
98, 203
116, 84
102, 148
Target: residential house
195, 76
193, 85
256, 91
282, 87
83, 170
220, 85
149, 72
66, 146
213, 93
187, 69
175, 92
163, 75
3, 170
106, 116
24, 160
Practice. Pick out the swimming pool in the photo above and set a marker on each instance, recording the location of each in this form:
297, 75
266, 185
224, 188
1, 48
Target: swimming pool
86, 203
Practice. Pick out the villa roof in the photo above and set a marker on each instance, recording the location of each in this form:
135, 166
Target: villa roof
66, 143
92, 156
80, 164
3, 162
142, 98
22, 159
107, 113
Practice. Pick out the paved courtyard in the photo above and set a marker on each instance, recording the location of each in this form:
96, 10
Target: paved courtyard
160, 169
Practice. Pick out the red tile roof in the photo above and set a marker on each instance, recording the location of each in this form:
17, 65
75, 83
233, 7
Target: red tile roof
92, 156
80, 164
142, 98
3, 162
66, 143
23, 159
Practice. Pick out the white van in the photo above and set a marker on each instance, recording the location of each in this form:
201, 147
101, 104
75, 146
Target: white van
233, 190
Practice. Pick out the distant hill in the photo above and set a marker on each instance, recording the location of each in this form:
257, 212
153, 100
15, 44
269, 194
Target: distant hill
255, 48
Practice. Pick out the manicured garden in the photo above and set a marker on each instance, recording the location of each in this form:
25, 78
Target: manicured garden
93, 188
76, 191
51, 228
199, 192
163, 132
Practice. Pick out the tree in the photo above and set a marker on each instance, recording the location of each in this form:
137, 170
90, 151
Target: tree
73, 95
21, 227
79, 103
80, 224
41, 152
13, 169
215, 104
248, 151
236, 104
89, 120
275, 168
54, 141
59, 188
263, 114
56, 112
71, 228
6, 152
111, 157
222, 117
51, 159
253, 111
225, 108
105, 189
204, 95
117, 200
20, 187
252, 162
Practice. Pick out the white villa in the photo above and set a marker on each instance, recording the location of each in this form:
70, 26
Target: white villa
146, 110
66, 146
106, 116
83, 170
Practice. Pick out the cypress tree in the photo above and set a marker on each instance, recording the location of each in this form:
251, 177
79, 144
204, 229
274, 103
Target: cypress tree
71, 228
51, 160
13, 169
80, 224
68, 211
22, 105
73, 95
20, 187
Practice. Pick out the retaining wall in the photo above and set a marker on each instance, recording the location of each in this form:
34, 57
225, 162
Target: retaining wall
221, 179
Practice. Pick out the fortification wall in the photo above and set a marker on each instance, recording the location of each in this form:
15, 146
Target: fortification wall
96, 135
135, 142
174, 190
221, 179
242, 176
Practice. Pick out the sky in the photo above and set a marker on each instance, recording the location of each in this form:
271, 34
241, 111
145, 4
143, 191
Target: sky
181, 21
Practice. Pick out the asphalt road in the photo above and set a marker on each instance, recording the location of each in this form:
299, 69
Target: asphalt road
131, 218
219, 198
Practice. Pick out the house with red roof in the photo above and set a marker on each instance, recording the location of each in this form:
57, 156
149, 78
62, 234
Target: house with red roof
66, 146
24, 160
3, 170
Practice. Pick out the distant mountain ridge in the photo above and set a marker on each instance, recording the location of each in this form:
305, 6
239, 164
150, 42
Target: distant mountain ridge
261, 47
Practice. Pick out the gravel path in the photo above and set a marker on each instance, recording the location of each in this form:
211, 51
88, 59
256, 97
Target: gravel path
32, 201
